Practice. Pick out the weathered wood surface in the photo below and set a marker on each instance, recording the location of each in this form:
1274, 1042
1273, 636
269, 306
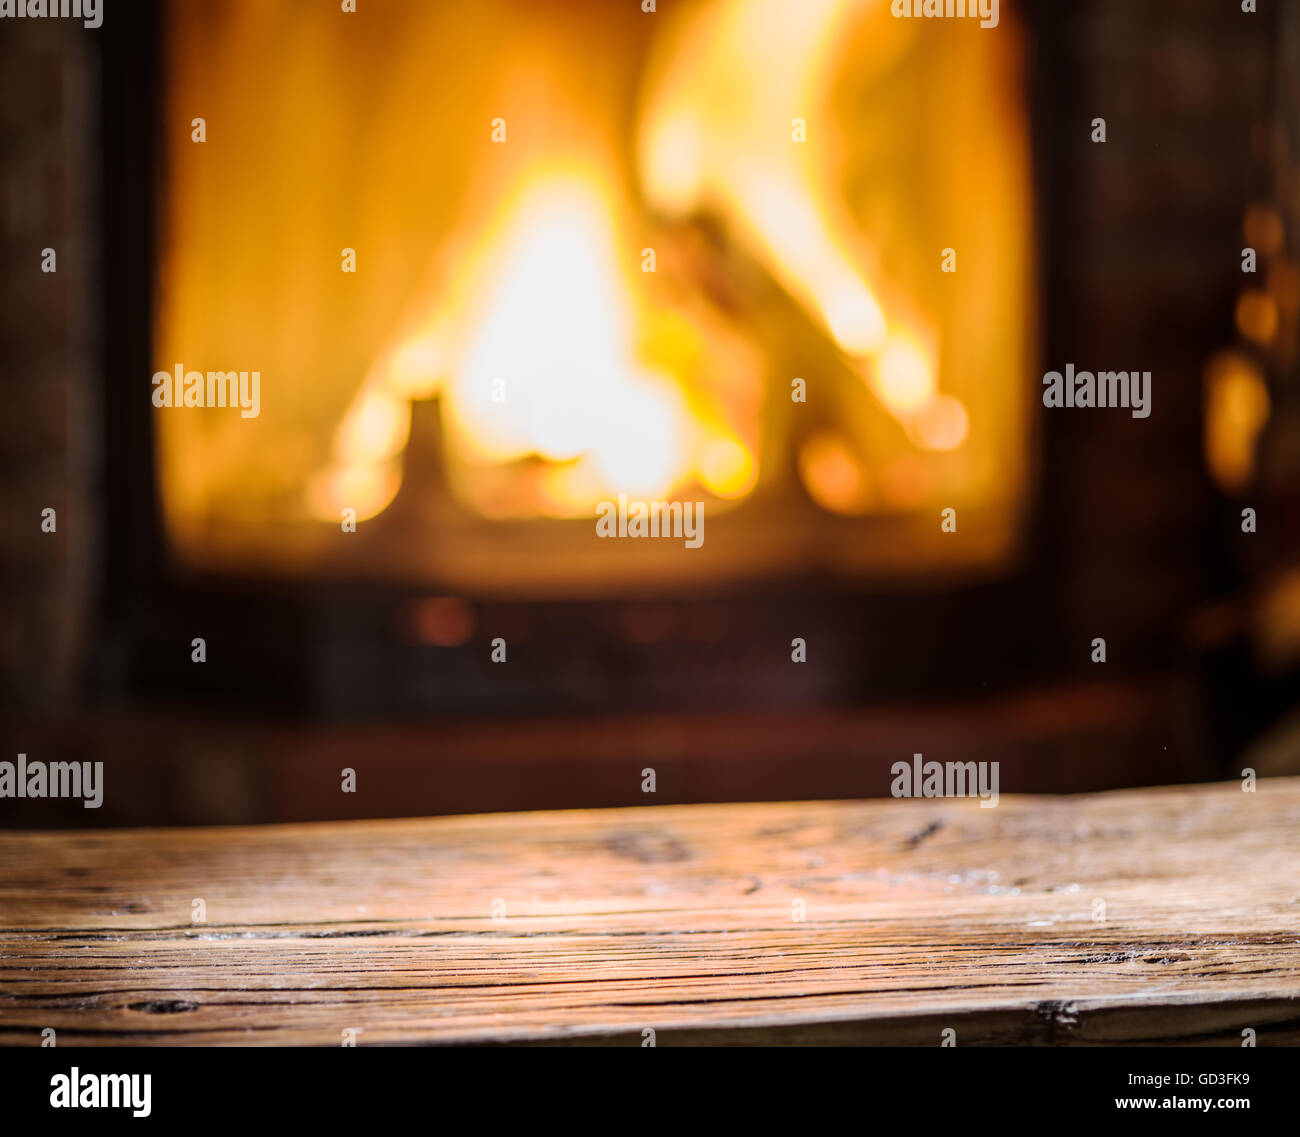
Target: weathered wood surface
920, 915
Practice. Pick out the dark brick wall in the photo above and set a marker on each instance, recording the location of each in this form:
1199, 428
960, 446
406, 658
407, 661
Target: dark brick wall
1144, 259
48, 175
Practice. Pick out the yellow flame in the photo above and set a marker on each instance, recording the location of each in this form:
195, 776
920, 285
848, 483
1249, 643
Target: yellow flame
548, 371
368, 489
904, 378
550, 368
713, 134
728, 468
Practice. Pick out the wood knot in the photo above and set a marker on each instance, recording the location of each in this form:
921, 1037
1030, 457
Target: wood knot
648, 848
163, 1007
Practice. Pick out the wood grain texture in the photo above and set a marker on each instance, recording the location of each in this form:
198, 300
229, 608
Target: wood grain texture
920, 915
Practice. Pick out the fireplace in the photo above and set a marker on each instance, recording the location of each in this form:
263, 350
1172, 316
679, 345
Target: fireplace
497, 264
502, 365
802, 263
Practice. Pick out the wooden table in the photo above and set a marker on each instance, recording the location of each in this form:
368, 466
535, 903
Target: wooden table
876, 922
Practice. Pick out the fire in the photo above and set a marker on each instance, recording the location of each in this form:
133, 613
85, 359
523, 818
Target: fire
550, 369
503, 353
549, 373
711, 136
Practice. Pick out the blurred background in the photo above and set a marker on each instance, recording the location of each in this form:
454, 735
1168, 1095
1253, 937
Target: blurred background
683, 218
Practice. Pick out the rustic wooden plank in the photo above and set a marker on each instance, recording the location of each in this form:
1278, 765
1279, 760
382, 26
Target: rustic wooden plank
918, 916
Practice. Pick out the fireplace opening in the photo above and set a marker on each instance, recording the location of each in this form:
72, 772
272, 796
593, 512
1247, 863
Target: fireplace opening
774, 259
